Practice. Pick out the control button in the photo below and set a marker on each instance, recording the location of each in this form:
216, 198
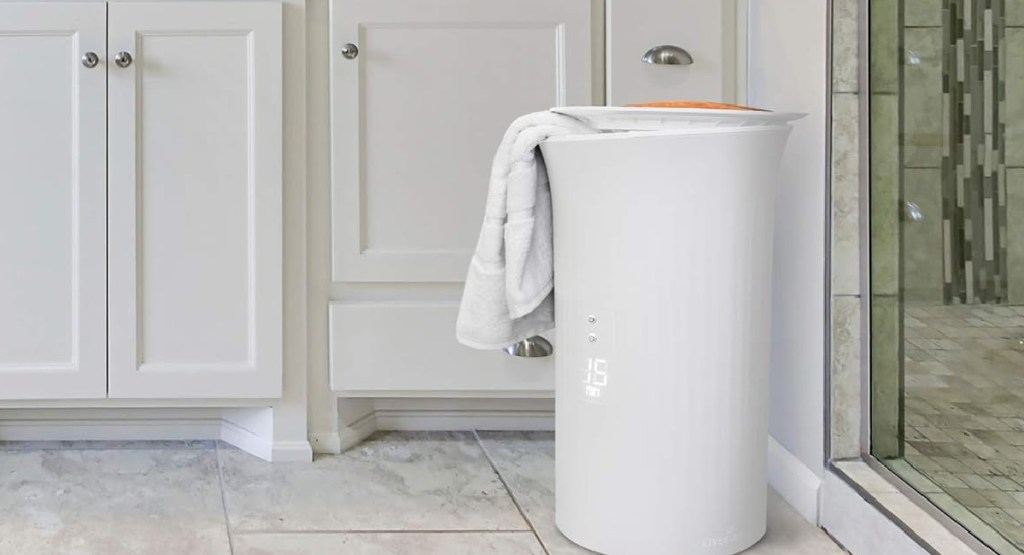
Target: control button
592, 319
592, 338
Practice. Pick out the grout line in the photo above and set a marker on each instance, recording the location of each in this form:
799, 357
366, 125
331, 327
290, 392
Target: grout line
834, 540
223, 498
511, 495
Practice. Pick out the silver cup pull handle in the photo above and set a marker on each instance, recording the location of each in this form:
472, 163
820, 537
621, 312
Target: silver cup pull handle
667, 54
123, 59
531, 347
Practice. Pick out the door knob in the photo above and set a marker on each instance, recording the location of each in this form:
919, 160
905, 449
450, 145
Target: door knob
90, 59
667, 54
349, 51
123, 59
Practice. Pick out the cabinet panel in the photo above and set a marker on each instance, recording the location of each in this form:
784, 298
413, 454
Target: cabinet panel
195, 199
52, 201
416, 117
408, 349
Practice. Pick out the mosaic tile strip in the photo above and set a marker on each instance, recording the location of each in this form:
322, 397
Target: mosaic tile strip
973, 163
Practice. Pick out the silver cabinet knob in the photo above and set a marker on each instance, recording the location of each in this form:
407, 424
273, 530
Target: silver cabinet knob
666, 54
90, 59
349, 51
123, 59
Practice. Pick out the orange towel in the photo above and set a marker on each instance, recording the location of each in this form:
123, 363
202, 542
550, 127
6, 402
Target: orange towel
692, 104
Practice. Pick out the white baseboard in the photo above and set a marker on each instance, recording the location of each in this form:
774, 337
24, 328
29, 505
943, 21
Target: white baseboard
326, 442
110, 429
415, 420
443, 414
353, 433
796, 483
291, 451
263, 447
127, 425
247, 441
464, 414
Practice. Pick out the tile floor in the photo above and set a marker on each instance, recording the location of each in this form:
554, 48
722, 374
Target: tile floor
437, 493
964, 416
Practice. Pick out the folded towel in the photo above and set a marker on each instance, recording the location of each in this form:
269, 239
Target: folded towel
508, 294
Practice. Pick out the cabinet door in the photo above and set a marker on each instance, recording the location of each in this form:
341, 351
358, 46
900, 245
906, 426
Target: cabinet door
52, 201
418, 114
416, 118
195, 199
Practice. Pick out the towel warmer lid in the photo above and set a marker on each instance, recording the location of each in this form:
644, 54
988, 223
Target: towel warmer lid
614, 118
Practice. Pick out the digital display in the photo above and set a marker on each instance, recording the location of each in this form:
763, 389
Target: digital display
596, 379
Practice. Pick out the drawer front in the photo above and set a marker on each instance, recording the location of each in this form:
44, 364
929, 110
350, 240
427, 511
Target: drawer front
409, 349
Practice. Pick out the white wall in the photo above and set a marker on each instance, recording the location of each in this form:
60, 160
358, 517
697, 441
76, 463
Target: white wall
787, 72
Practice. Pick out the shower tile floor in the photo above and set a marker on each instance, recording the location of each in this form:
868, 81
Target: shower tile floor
426, 493
964, 416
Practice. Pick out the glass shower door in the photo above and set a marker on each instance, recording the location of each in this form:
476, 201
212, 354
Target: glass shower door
947, 256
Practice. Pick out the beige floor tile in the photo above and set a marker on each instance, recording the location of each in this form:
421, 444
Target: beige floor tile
923, 462
946, 479
1004, 483
981, 468
1017, 495
971, 498
936, 435
393, 481
952, 464
912, 476
397, 494
976, 482
997, 517
1014, 534
984, 531
1016, 424
789, 534
474, 543
111, 502
526, 461
1002, 499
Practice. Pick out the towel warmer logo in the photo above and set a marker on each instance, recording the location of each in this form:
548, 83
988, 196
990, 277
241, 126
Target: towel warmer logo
731, 534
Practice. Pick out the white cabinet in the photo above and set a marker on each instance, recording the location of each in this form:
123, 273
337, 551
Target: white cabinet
162, 251
195, 199
52, 201
416, 117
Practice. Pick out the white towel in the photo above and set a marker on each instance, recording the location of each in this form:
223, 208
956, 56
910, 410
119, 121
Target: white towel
508, 295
